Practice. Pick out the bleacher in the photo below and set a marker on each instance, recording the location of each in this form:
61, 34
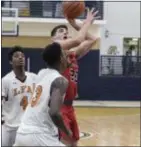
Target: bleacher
46, 9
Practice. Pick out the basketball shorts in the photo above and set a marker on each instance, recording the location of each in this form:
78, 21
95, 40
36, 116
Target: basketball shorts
36, 140
71, 123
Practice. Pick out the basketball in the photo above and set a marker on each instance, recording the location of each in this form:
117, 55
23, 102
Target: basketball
73, 9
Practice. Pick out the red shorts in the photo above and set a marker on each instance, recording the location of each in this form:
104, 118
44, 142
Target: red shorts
71, 123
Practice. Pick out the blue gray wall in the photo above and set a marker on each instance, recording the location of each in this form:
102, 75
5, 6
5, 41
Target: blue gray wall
90, 86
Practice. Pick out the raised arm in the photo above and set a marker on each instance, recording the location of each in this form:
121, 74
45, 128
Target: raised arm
77, 26
86, 45
80, 37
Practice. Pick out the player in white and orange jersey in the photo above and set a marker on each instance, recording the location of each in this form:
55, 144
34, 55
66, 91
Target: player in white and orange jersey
17, 88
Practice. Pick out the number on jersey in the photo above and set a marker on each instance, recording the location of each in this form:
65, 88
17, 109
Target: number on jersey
74, 75
24, 102
36, 96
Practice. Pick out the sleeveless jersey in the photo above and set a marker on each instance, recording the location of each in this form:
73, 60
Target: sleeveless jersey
36, 118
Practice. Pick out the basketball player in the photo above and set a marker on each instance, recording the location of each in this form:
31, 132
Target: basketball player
74, 51
41, 120
17, 88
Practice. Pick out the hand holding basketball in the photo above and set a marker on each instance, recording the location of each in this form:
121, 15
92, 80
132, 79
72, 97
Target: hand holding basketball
78, 26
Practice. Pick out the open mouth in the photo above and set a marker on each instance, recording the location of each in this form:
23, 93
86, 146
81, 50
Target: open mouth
65, 37
21, 62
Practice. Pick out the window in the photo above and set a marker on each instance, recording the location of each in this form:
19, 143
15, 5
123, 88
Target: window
23, 7
132, 44
47, 9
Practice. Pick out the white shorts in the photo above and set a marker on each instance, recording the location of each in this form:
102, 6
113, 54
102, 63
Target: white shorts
36, 140
8, 135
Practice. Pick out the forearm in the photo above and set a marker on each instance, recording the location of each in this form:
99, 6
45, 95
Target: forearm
58, 121
83, 48
83, 32
88, 35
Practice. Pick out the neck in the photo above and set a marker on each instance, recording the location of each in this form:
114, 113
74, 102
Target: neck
55, 68
19, 72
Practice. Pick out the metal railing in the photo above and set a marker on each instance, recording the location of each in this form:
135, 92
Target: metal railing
46, 9
120, 66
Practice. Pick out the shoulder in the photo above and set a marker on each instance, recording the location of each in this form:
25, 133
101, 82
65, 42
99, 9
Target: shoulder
31, 75
6, 81
60, 82
9, 75
42, 71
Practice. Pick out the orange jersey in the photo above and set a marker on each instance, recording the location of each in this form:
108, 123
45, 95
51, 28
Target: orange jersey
71, 74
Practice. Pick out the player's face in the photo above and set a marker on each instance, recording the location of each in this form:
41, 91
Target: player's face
18, 59
61, 34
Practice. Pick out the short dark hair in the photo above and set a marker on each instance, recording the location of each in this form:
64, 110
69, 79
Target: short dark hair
13, 50
52, 54
54, 30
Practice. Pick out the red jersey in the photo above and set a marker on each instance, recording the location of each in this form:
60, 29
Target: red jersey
71, 74
67, 109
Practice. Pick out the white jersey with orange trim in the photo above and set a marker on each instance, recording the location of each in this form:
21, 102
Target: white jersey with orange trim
36, 119
17, 95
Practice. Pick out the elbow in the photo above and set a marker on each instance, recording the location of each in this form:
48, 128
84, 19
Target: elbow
79, 40
53, 113
94, 39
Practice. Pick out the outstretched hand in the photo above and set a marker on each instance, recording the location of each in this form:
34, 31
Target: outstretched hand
91, 17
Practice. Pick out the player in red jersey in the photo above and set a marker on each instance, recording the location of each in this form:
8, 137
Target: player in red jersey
74, 48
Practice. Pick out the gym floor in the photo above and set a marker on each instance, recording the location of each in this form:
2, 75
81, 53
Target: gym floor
104, 126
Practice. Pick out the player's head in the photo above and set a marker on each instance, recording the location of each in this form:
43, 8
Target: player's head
60, 32
55, 57
16, 57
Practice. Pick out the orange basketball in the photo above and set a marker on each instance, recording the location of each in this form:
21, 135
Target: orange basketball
73, 9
